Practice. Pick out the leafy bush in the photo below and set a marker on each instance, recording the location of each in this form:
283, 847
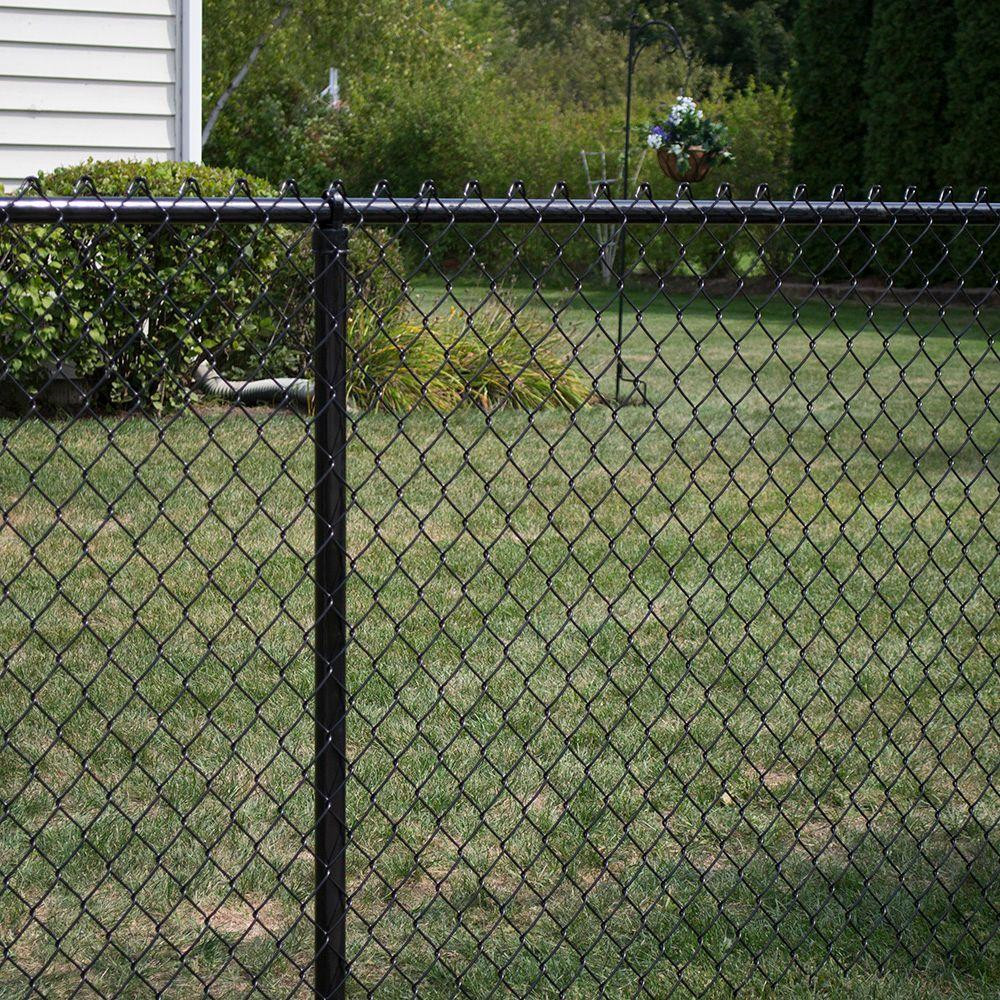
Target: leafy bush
161, 178
47, 310
136, 305
759, 119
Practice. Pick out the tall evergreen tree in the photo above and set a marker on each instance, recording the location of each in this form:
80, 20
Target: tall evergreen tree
831, 38
972, 159
973, 156
909, 50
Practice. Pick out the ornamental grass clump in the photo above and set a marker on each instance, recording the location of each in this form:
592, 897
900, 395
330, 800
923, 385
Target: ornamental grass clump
502, 361
397, 366
399, 360
488, 359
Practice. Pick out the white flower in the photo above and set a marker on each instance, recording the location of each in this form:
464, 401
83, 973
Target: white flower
684, 110
683, 107
655, 140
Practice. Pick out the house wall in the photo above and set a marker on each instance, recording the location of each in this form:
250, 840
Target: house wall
104, 78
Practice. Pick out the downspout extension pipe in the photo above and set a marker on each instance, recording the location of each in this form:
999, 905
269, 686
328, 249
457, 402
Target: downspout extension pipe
252, 392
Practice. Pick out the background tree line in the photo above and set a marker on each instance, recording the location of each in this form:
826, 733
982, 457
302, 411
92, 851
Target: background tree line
897, 93
857, 92
497, 90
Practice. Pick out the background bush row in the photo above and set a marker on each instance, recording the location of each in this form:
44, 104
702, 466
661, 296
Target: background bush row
130, 310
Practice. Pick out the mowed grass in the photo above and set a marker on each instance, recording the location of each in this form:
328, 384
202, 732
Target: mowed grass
692, 697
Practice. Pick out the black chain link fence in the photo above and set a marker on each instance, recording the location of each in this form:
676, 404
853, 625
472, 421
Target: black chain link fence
395, 606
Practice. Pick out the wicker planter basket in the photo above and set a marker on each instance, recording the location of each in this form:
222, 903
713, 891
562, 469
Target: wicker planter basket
699, 164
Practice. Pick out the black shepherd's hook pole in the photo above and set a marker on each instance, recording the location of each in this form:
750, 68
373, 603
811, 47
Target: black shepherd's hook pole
641, 33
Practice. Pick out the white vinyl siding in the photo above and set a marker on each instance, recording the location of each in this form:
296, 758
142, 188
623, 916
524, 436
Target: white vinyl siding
58, 28
34, 62
101, 78
88, 97
164, 8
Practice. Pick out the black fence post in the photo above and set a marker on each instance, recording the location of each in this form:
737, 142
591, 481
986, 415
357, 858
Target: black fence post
330, 407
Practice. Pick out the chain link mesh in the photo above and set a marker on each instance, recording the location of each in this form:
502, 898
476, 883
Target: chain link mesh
670, 594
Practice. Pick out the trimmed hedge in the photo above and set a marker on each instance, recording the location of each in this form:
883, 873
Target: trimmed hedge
135, 306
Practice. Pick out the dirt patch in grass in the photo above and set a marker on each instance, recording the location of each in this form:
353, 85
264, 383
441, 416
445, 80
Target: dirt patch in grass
247, 919
709, 862
821, 838
778, 779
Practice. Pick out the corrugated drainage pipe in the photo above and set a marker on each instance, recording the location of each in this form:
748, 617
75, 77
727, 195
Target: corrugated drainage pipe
265, 390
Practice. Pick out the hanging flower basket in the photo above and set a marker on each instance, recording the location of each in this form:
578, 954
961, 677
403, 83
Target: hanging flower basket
698, 165
687, 143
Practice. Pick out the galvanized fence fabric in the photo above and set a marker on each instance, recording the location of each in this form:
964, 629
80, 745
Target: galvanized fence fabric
400, 601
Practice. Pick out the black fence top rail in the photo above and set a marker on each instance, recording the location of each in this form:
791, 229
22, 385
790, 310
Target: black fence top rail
384, 209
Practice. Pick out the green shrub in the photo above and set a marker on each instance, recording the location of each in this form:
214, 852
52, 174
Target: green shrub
973, 153
759, 119
163, 178
47, 309
910, 46
829, 136
137, 304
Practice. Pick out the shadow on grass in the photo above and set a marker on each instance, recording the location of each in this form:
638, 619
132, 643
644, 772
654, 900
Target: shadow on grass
884, 909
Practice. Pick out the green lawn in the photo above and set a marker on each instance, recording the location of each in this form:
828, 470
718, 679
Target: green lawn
695, 694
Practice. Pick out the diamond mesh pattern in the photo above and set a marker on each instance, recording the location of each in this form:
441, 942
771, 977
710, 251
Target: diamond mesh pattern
669, 647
